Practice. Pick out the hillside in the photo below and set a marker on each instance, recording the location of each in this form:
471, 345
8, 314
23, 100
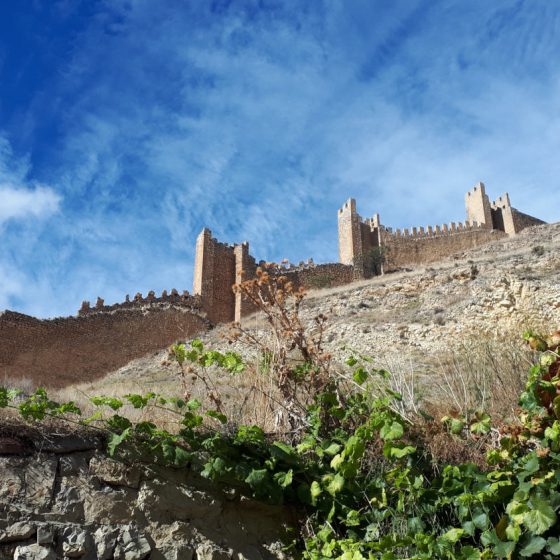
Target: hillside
450, 335
464, 315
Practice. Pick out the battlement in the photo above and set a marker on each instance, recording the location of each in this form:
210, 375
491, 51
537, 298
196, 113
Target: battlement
348, 207
206, 234
151, 301
287, 266
421, 232
501, 202
478, 189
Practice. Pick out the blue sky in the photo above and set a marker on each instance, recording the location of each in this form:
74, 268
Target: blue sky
127, 126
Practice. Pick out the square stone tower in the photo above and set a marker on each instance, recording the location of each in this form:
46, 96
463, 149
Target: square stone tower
478, 206
349, 233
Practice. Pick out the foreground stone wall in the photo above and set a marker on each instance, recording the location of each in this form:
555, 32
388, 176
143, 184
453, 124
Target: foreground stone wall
61, 497
59, 352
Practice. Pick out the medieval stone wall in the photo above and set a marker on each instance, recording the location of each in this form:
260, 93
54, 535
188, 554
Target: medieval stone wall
486, 221
522, 221
59, 352
403, 250
62, 497
219, 266
318, 276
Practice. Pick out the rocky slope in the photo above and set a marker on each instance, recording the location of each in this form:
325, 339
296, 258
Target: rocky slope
499, 288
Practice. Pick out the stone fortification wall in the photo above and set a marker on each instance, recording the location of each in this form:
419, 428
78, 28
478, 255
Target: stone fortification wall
311, 276
219, 266
486, 221
58, 352
522, 221
61, 497
245, 269
404, 248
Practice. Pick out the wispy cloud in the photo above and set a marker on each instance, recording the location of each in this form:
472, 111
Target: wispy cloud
258, 121
19, 197
25, 207
21, 202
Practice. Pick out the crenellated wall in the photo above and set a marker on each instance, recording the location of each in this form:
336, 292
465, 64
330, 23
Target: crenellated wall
103, 337
214, 283
151, 301
486, 221
405, 249
312, 276
59, 352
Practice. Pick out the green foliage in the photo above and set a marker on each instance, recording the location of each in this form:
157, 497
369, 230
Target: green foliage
38, 405
362, 474
230, 361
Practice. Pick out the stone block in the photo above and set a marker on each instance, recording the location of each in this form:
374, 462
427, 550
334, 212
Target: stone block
11, 478
109, 506
209, 551
132, 545
105, 539
34, 552
115, 473
18, 531
68, 501
75, 542
164, 503
67, 443
40, 475
45, 534
74, 464
12, 446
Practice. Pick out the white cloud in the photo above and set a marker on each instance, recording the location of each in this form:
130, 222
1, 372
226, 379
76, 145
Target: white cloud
22, 202
23, 206
19, 197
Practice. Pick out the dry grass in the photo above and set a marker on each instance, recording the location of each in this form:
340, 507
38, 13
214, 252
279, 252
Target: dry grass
477, 374
248, 397
481, 373
23, 384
